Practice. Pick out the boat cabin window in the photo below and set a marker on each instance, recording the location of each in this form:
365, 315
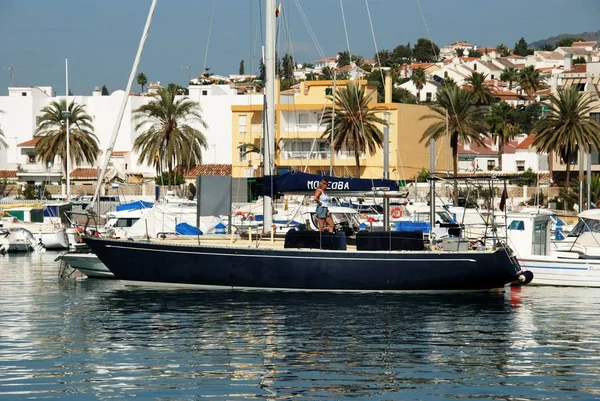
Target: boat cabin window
539, 238
517, 225
585, 225
125, 222
441, 217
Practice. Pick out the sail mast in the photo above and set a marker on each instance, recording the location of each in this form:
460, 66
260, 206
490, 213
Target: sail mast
117, 125
269, 117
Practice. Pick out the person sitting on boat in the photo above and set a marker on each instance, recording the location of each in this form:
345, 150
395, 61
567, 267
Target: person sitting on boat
322, 200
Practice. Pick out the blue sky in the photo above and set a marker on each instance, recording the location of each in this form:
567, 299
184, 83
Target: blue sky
100, 37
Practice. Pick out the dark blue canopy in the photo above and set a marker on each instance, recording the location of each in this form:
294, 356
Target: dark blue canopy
295, 181
135, 205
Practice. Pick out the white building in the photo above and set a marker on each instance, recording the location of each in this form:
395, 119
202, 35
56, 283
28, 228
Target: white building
23, 104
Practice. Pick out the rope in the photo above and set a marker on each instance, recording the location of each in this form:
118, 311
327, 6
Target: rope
212, 11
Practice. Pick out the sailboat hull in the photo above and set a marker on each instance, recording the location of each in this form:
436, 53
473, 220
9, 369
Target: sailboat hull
222, 267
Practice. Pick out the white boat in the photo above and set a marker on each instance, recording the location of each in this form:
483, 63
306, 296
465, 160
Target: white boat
86, 263
573, 263
48, 231
14, 240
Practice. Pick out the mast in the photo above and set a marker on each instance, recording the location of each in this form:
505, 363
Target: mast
117, 125
269, 118
67, 115
332, 125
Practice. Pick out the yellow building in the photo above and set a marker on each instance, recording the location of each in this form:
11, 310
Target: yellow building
300, 146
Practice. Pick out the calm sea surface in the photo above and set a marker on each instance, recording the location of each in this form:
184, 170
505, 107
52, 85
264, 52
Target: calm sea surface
82, 339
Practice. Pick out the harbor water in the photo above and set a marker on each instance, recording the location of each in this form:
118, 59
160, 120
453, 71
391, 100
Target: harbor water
81, 339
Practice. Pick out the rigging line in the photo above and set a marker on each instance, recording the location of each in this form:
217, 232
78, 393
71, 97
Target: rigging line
427, 28
346, 31
310, 30
212, 11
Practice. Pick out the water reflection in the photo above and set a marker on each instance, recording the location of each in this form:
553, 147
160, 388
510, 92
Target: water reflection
91, 338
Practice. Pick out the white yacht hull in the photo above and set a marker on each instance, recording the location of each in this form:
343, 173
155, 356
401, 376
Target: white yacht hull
553, 271
54, 240
15, 246
88, 264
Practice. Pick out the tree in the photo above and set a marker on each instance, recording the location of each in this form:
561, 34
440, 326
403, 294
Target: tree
241, 69
105, 91
384, 58
175, 177
355, 126
327, 73
142, 80
169, 139
262, 70
401, 54
502, 49
419, 79
522, 48
402, 95
308, 65
287, 67
343, 58
568, 41
547, 47
51, 128
580, 60
503, 126
530, 80
509, 75
448, 82
568, 126
466, 122
425, 51
481, 94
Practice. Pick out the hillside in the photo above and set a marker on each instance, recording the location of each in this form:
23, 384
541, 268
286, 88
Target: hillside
587, 36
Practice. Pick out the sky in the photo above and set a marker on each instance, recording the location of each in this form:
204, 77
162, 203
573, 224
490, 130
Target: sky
100, 37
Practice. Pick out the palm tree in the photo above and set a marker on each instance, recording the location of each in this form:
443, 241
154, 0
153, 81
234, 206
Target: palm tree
168, 132
355, 125
509, 75
568, 126
384, 58
419, 79
481, 95
142, 80
466, 122
503, 126
2, 141
52, 128
449, 82
530, 80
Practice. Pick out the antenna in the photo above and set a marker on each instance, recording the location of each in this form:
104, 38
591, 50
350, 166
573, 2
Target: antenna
10, 71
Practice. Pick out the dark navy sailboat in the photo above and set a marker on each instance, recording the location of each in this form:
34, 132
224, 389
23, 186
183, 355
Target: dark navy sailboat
308, 260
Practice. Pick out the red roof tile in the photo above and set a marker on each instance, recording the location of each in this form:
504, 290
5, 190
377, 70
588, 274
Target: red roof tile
84, 173
584, 44
30, 143
8, 174
578, 69
526, 143
120, 152
209, 169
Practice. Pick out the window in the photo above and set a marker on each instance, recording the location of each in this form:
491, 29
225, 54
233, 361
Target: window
204, 93
520, 165
581, 87
31, 158
517, 225
302, 120
595, 117
428, 96
23, 93
445, 74
242, 124
328, 91
475, 67
539, 238
491, 164
492, 77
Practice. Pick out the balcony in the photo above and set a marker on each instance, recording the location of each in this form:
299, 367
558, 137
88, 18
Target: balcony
38, 169
302, 154
312, 128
